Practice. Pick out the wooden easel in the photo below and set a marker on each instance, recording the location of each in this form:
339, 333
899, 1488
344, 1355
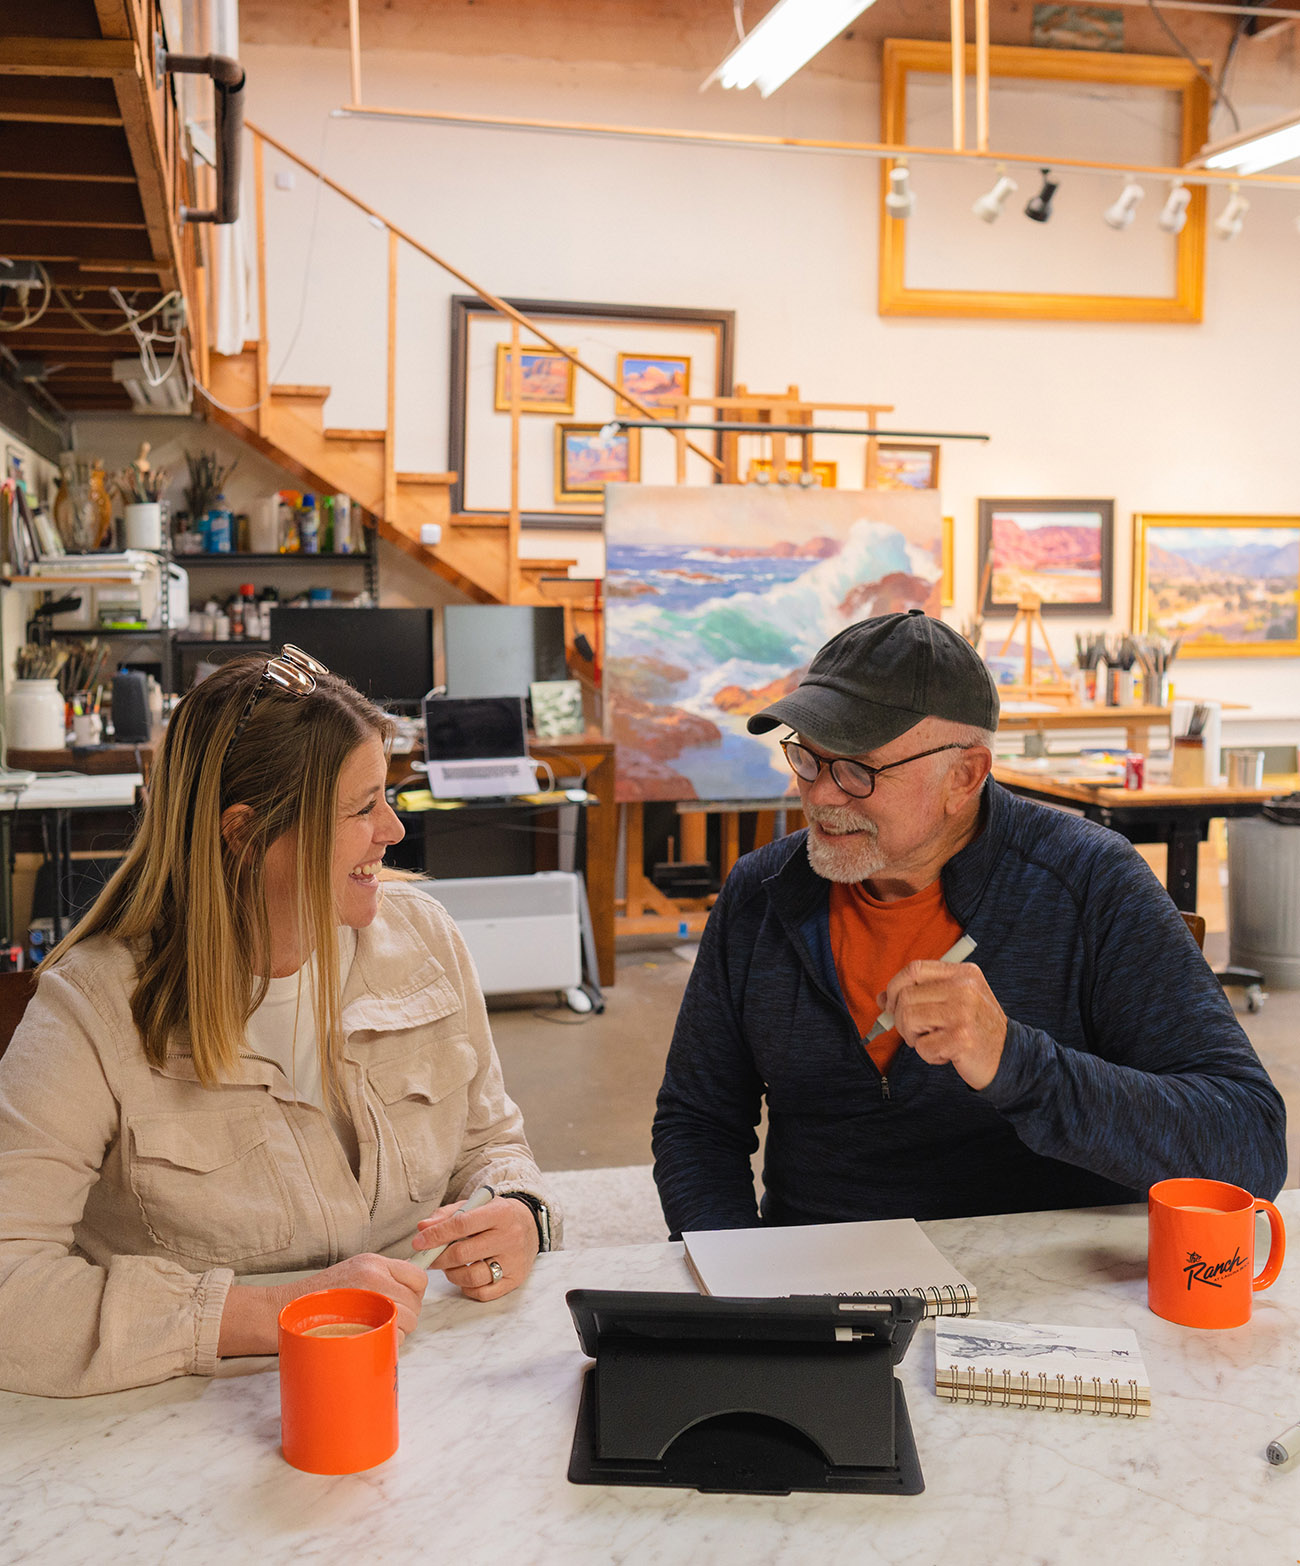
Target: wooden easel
1029, 613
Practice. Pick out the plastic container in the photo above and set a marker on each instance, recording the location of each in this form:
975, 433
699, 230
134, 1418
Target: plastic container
344, 543
35, 716
290, 538
218, 528
1264, 898
309, 526
264, 526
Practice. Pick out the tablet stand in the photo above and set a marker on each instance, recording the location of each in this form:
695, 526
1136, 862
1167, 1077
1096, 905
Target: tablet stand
756, 1414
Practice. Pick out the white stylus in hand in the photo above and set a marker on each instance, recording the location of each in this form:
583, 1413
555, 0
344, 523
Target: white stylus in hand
480, 1198
958, 953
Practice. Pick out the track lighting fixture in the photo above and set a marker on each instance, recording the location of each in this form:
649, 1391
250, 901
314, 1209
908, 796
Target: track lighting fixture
989, 206
899, 199
1123, 209
1229, 222
1039, 207
1173, 215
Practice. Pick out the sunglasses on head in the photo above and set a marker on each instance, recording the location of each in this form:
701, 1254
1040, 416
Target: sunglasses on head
290, 670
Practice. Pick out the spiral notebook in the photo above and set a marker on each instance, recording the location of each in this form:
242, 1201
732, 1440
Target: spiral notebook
891, 1256
1086, 1370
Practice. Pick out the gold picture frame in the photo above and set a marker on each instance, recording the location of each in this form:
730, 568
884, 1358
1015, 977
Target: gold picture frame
947, 592
586, 459
546, 384
1250, 602
826, 473
899, 464
660, 379
904, 56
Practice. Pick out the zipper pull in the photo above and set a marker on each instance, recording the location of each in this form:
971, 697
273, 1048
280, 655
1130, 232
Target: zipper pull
884, 1087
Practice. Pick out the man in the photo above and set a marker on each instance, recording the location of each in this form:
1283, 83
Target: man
1081, 1053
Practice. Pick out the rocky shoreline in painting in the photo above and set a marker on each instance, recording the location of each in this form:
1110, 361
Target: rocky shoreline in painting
700, 637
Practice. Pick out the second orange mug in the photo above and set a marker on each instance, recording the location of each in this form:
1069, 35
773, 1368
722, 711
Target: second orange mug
338, 1380
1201, 1252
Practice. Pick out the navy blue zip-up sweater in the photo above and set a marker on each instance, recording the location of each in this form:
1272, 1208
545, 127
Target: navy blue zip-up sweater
1123, 1063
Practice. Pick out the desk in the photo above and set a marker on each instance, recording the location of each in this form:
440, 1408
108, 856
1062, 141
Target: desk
1159, 813
57, 796
191, 1470
1137, 722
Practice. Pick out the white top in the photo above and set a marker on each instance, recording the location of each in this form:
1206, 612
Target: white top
283, 1030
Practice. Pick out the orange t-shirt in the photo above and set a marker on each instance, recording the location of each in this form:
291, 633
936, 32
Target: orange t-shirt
872, 941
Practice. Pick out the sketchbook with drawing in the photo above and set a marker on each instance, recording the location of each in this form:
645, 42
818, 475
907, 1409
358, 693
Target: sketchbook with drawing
891, 1256
1085, 1370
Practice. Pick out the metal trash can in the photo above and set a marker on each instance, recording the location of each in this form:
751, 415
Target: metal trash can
1264, 892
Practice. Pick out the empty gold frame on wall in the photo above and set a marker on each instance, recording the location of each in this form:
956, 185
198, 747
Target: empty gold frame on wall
903, 57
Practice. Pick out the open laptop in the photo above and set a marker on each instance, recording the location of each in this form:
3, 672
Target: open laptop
476, 747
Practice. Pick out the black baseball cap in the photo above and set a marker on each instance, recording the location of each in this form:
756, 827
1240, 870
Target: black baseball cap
879, 678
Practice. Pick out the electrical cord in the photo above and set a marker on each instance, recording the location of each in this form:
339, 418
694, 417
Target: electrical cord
1220, 97
134, 317
30, 318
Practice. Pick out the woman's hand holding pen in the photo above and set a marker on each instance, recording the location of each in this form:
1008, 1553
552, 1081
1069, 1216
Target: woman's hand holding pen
502, 1231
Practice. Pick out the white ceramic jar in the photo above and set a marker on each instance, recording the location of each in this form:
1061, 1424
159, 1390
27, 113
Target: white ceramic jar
34, 716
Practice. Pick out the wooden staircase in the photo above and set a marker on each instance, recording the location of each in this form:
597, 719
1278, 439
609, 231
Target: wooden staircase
289, 428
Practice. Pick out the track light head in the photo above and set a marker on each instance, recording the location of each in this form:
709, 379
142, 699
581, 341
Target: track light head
899, 200
1229, 222
1173, 215
1039, 207
1123, 209
989, 206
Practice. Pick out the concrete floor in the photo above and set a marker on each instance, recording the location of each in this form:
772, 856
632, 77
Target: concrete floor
587, 1085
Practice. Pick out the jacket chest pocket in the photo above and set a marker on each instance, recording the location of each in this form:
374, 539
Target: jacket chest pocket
426, 1103
208, 1186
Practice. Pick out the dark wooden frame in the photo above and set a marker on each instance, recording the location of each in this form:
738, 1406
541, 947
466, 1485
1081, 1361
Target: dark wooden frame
1103, 508
559, 313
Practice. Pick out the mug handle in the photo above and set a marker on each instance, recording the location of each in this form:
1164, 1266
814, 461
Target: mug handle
1276, 1244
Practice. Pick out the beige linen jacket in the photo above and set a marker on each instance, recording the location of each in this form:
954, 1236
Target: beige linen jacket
130, 1197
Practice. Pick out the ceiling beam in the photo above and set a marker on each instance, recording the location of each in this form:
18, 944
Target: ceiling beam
64, 152
59, 100
67, 57
47, 242
89, 204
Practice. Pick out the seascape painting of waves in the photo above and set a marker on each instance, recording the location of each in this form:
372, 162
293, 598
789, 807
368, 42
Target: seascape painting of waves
716, 600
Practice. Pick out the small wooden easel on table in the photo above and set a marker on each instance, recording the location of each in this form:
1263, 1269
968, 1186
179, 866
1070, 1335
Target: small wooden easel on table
1029, 614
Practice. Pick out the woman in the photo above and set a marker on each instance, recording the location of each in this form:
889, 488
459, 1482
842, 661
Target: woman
245, 1060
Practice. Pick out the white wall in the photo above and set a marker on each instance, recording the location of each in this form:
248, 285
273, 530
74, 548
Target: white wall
1194, 419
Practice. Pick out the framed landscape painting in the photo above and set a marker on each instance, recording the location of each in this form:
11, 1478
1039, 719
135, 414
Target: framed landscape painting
1056, 550
586, 459
1228, 586
655, 378
545, 381
906, 467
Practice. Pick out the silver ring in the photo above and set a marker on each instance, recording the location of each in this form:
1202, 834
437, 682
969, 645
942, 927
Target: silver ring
496, 1269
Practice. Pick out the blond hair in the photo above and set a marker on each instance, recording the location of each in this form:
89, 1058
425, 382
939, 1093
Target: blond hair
190, 896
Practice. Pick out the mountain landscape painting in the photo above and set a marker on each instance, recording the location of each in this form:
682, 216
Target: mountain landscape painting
1056, 551
716, 600
1224, 589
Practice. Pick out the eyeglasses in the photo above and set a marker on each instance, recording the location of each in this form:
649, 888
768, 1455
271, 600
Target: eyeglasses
850, 777
290, 670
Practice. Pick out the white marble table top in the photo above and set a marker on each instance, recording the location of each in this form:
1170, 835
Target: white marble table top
191, 1470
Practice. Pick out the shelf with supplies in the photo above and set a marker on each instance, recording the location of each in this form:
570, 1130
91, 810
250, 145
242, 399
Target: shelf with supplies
363, 557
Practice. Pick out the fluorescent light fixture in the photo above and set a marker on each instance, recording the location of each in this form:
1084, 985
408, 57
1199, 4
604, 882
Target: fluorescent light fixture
899, 199
1123, 209
989, 206
1173, 215
1255, 150
786, 39
168, 396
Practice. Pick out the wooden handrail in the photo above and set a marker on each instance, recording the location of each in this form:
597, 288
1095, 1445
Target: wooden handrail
497, 304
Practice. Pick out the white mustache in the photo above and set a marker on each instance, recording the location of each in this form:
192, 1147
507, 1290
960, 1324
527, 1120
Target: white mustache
839, 819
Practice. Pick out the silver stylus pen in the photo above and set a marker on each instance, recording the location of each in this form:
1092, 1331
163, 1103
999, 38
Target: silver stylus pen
957, 953
480, 1198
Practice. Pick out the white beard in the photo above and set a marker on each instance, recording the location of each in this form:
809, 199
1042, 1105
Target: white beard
849, 859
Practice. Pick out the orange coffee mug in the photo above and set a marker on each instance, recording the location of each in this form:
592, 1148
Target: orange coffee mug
1201, 1252
338, 1381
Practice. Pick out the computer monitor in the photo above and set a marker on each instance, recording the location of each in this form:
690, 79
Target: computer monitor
501, 649
386, 653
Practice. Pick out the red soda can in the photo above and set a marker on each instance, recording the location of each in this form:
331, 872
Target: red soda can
1135, 771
